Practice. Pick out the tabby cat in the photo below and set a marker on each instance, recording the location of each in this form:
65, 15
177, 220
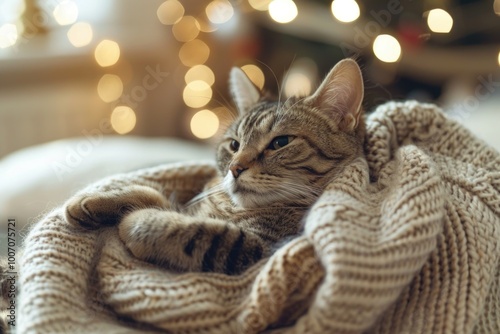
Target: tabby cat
274, 160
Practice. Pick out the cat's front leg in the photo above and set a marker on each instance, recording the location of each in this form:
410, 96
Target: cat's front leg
178, 241
93, 210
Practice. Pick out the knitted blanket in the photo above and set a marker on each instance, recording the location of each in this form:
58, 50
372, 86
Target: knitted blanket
404, 241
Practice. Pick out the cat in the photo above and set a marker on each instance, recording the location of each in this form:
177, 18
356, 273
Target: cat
4, 296
274, 161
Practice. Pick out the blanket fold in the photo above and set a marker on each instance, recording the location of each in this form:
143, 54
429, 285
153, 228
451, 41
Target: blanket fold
404, 241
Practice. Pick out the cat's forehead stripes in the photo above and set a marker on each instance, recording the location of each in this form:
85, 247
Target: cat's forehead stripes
252, 119
257, 122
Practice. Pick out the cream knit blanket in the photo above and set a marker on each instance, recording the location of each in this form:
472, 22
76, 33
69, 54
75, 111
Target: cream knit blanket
406, 241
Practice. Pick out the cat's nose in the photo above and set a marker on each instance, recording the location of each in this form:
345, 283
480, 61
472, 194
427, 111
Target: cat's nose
236, 170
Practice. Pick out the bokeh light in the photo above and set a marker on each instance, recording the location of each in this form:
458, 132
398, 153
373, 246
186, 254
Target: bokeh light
261, 5
66, 12
283, 11
80, 34
498, 58
255, 74
8, 35
204, 124
219, 11
301, 77
123, 119
110, 87
297, 84
197, 94
107, 53
186, 29
387, 48
496, 7
200, 72
170, 12
194, 53
345, 10
205, 24
10, 11
439, 21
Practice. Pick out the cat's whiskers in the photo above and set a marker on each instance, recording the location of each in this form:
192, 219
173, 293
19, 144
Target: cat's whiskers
300, 190
280, 113
282, 194
215, 190
285, 77
233, 114
309, 188
283, 190
275, 79
296, 102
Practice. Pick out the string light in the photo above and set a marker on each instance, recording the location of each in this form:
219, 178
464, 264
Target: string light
194, 53
123, 119
66, 12
186, 29
170, 12
8, 35
110, 87
283, 11
197, 94
387, 48
200, 72
219, 11
204, 124
255, 74
261, 5
80, 34
345, 10
107, 53
439, 21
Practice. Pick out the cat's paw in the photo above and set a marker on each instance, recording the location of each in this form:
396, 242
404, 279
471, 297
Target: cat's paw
94, 210
135, 232
143, 230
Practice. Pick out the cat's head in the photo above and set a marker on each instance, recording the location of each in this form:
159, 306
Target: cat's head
286, 152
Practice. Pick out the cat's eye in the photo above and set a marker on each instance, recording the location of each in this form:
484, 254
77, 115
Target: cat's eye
234, 145
279, 142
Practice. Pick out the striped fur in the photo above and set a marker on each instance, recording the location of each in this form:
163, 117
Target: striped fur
274, 160
4, 297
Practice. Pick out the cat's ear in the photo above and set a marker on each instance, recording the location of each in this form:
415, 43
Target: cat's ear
245, 94
341, 94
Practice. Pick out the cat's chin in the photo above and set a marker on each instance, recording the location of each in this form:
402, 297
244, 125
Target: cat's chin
244, 197
245, 201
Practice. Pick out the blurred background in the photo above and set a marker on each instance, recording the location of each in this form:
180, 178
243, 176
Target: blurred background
86, 81
160, 68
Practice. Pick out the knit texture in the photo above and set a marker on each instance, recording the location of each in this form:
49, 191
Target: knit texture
404, 241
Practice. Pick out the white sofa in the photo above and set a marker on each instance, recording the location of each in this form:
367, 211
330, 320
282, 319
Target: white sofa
36, 179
